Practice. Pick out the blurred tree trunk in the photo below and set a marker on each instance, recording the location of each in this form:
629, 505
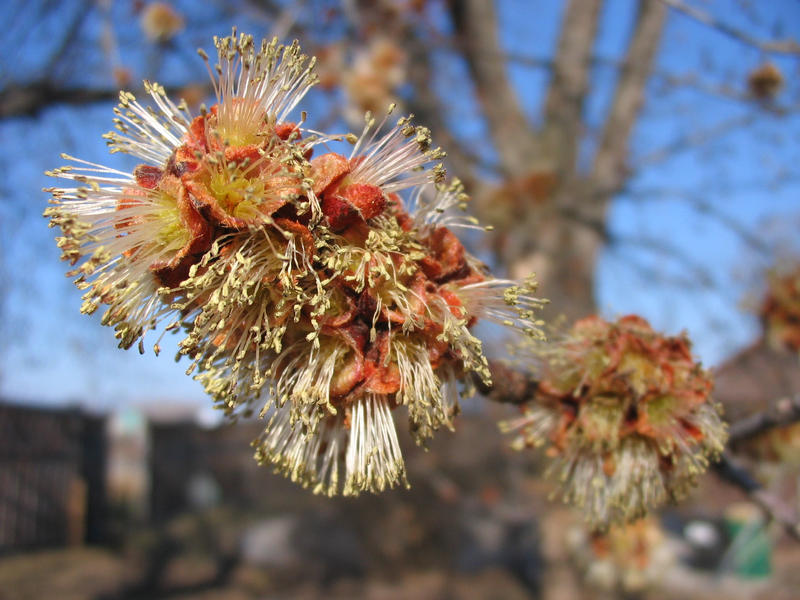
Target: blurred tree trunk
561, 239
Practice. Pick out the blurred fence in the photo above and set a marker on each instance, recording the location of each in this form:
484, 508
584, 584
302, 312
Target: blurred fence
52, 477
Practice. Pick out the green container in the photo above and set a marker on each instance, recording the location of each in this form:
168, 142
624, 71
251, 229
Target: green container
750, 552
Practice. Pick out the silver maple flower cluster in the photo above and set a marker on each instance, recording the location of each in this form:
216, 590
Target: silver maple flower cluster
317, 290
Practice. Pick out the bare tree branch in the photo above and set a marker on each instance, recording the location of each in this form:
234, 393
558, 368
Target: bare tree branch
476, 24
785, 411
525, 60
509, 386
707, 208
694, 139
729, 471
773, 46
30, 99
569, 83
672, 81
609, 165
703, 275
71, 31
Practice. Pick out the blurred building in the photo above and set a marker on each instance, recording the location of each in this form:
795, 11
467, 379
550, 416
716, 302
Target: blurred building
755, 377
195, 467
128, 476
52, 477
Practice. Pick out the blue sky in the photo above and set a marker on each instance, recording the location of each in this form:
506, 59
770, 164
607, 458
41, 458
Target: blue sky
53, 354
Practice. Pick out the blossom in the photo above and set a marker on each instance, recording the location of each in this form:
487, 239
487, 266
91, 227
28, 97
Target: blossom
160, 22
322, 291
624, 415
765, 81
378, 71
780, 308
631, 557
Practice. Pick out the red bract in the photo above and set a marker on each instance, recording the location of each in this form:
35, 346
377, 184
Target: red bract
173, 271
780, 309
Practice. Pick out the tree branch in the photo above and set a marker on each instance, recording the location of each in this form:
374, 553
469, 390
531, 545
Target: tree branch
706, 207
509, 386
696, 138
609, 164
71, 31
569, 84
773, 46
673, 82
729, 471
476, 25
785, 411
30, 99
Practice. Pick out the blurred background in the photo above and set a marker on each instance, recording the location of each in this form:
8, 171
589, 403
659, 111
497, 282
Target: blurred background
639, 155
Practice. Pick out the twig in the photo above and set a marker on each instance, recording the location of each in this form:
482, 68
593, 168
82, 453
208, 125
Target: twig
774, 46
727, 92
784, 412
31, 98
699, 202
728, 470
509, 386
694, 139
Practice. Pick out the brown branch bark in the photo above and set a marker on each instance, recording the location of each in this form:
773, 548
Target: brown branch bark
610, 161
785, 411
477, 29
509, 386
569, 84
30, 99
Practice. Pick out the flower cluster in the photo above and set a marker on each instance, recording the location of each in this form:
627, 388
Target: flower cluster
765, 81
630, 558
320, 291
625, 416
160, 22
780, 309
378, 72
378, 68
